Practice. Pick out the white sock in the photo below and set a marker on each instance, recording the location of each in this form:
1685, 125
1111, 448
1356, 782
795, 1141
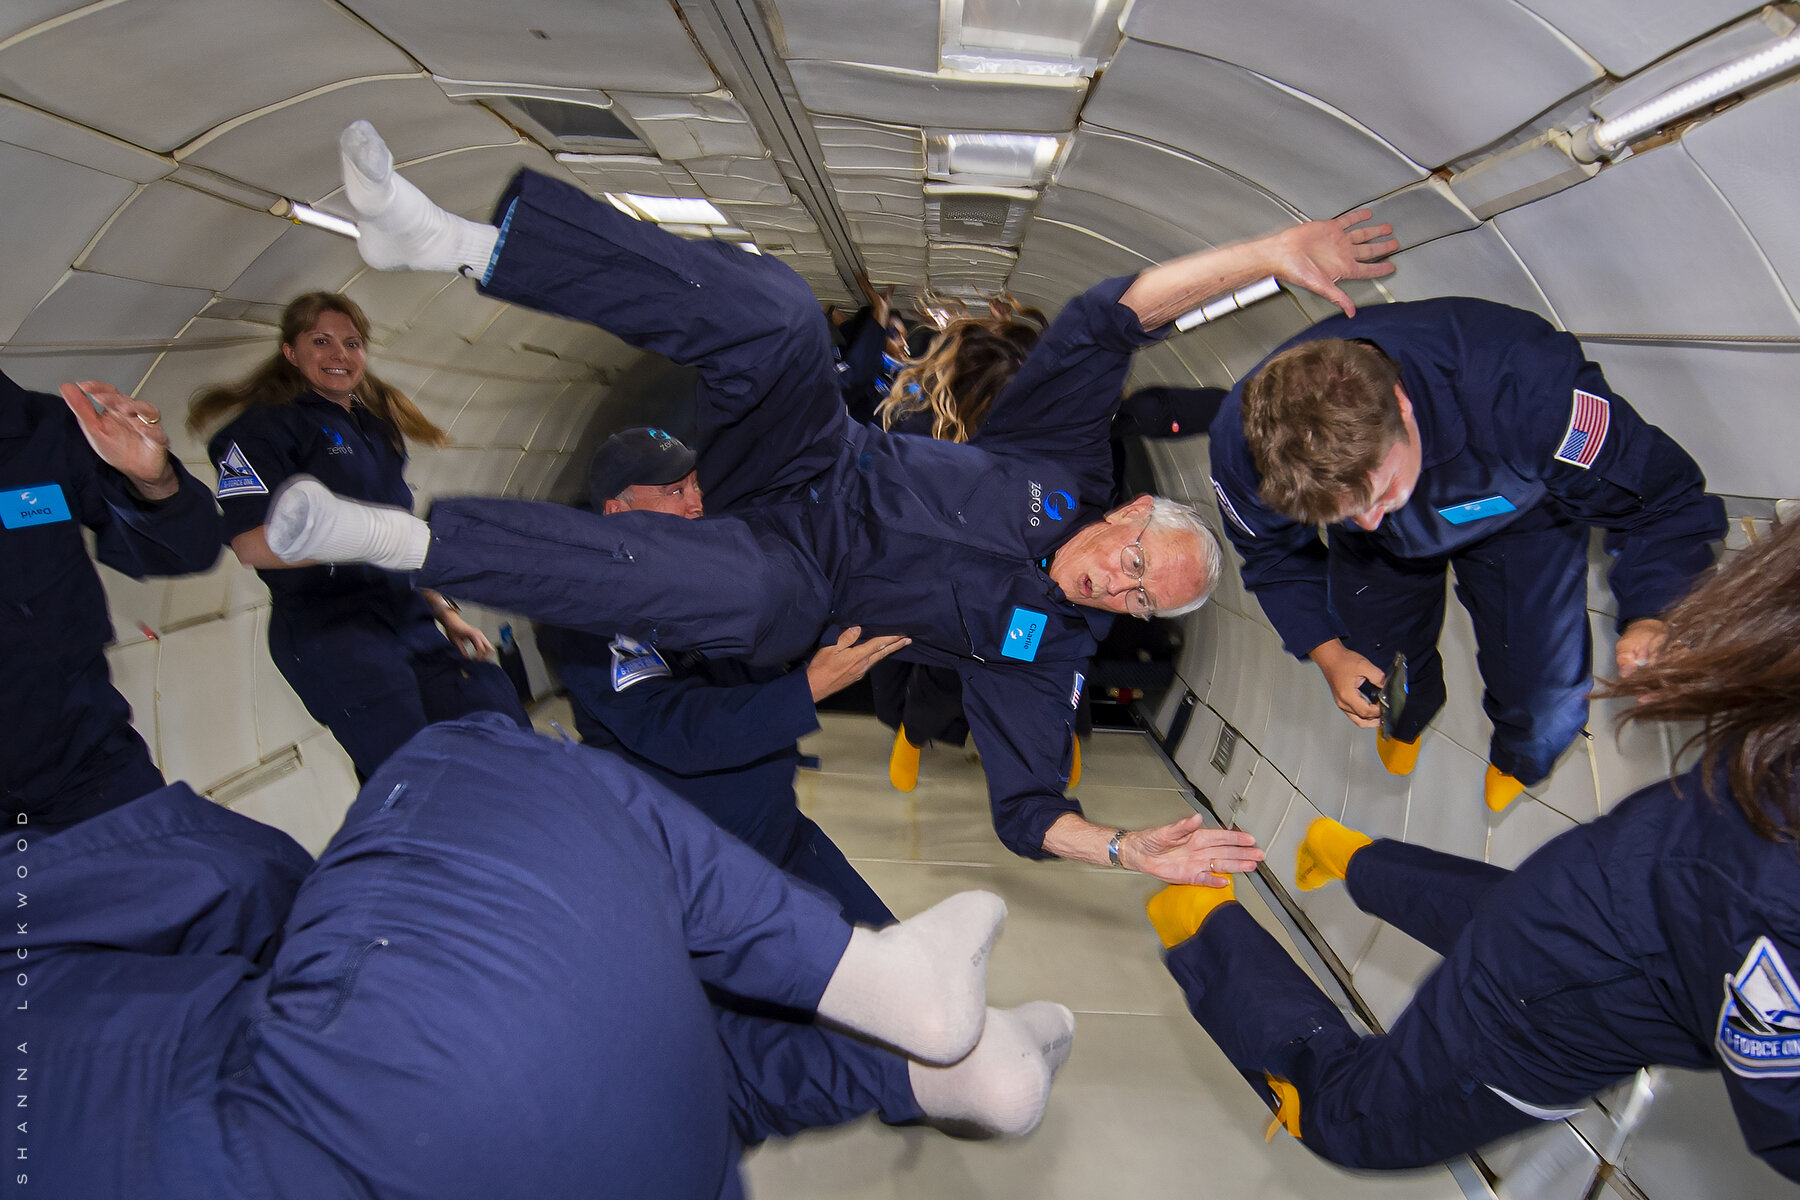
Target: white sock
400, 229
999, 1090
919, 986
308, 522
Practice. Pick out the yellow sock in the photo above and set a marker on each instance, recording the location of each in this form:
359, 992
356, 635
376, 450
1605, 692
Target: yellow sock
903, 764
1075, 762
1398, 757
1287, 1107
1177, 911
1325, 853
1502, 789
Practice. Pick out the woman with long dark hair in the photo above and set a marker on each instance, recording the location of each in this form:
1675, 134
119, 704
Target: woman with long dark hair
358, 645
1659, 933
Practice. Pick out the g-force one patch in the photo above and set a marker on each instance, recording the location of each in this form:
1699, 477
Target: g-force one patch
634, 662
237, 477
1759, 1022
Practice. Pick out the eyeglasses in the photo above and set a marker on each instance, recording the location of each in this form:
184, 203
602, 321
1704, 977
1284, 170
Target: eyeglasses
1131, 559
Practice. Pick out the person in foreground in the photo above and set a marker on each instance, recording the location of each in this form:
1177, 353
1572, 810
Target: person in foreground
490, 984
1462, 433
1659, 933
999, 557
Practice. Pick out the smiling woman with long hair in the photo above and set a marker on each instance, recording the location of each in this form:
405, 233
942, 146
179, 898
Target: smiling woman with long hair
357, 644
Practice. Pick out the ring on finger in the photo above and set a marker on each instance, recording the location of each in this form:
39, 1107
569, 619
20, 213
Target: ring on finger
148, 420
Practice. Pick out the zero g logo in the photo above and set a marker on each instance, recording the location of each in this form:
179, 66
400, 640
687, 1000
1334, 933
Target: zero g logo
337, 441
1056, 505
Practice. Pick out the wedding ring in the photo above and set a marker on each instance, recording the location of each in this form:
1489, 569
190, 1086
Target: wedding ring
148, 420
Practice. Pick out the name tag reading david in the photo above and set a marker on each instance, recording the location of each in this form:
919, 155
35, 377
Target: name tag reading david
1474, 510
1024, 630
40, 504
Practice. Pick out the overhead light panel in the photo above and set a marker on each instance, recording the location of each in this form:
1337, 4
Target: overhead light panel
1039, 37
305, 214
1003, 159
668, 210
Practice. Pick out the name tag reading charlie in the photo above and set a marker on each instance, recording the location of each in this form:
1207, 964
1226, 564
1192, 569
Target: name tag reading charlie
39, 504
1024, 630
1474, 510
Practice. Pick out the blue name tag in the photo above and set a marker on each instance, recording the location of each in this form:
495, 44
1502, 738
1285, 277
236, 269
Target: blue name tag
1024, 630
40, 504
1474, 510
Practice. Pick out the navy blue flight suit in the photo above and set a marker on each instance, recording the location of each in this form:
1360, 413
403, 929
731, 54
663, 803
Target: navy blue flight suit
1606, 951
830, 523
70, 749
490, 984
718, 734
1524, 446
356, 643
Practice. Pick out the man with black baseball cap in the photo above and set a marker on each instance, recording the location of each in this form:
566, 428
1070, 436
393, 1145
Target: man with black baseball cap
717, 732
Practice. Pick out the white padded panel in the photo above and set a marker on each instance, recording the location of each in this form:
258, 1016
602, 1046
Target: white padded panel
33, 130
1194, 755
133, 670
900, 33
948, 102
1723, 405
303, 259
684, 127
1547, 1161
1446, 811
1264, 804
1752, 153
172, 234
205, 706
1461, 719
635, 173
637, 45
1690, 1146
89, 307
1423, 212
130, 69
573, 342
771, 220
852, 145
52, 209
20, 15
866, 193
1347, 929
1476, 263
392, 300
1245, 338
196, 597
1458, 77
741, 180
1570, 788
1184, 191
293, 150
883, 229
1073, 257
1628, 34
1146, 233
1376, 801
461, 310
531, 475
1587, 248
132, 602
1285, 142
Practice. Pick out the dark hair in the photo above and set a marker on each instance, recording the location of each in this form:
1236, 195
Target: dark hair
1319, 419
1731, 661
967, 365
278, 381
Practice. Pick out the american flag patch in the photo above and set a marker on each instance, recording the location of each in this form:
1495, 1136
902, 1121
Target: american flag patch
1588, 419
1231, 509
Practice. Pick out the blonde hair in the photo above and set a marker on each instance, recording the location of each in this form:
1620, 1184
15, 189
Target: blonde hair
278, 381
967, 365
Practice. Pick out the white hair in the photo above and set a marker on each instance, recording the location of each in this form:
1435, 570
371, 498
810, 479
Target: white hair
1182, 521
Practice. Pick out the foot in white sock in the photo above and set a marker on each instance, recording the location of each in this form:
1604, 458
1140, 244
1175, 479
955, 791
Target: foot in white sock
919, 986
399, 228
999, 1090
309, 523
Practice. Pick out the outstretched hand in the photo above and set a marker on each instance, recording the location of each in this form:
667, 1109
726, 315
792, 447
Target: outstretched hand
1187, 851
838, 666
127, 434
1319, 253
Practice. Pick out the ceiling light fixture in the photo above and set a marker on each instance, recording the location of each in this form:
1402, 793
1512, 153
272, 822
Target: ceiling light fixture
1005, 159
1047, 37
673, 210
304, 214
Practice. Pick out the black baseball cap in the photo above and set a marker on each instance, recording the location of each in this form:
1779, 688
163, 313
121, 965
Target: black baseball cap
637, 456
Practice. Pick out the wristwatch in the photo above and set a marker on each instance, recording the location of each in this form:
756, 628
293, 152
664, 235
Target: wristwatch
1112, 848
